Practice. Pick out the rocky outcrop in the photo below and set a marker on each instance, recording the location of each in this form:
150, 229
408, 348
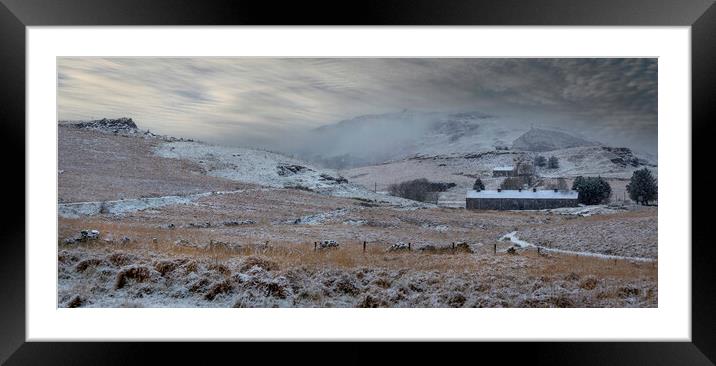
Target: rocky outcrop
291, 169
624, 157
547, 140
119, 125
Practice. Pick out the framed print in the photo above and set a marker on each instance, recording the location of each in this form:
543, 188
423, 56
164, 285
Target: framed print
405, 172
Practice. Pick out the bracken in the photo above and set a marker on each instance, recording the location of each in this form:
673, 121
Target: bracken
217, 289
83, 265
139, 274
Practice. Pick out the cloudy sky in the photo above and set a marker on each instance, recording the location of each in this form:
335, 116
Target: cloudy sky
250, 101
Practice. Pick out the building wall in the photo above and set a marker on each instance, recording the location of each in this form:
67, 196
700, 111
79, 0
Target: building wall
517, 203
503, 173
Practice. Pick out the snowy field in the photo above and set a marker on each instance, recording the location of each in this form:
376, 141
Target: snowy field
187, 224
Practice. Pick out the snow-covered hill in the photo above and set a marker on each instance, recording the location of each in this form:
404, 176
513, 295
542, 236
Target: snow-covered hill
379, 138
374, 139
462, 169
597, 161
269, 169
537, 139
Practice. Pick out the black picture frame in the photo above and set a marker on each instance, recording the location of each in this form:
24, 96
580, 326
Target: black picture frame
16, 15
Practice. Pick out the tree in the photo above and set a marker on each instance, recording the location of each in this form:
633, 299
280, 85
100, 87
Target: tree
478, 186
419, 189
592, 190
540, 161
642, 187
414, 189
553, 162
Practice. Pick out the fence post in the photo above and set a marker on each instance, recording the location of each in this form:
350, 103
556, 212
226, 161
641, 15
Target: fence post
494, 250
363, 246
409, 246
537, 250
453, 245
315, 245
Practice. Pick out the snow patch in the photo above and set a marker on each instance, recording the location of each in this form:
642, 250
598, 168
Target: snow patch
119, 207
270, 169
512, 237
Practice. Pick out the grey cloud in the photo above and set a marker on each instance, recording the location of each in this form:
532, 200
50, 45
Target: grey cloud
249, 100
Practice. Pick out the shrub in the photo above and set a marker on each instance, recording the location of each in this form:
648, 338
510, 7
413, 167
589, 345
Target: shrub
592, 190
478, 186
540, 161
642, 187
419, 189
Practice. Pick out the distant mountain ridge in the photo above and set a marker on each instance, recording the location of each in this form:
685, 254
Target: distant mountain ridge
381, 138
375, 138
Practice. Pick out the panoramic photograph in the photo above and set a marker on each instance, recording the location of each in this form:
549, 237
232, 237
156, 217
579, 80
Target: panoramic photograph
357, 182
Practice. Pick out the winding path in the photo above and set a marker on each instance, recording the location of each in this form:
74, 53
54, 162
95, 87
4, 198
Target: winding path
512, 236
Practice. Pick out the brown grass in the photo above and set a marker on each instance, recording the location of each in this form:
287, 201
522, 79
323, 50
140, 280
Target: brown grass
351, 255
599, 278
134, 170
91, 262
564, 265
217, 289
139, 274
165, 267
120, 259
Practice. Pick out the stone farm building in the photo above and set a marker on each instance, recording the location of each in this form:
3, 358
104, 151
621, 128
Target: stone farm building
503, 171
521, 199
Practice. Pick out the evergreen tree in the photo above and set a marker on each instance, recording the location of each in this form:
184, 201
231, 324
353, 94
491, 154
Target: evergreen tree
642, 187
478, 186
592, 190
540, 161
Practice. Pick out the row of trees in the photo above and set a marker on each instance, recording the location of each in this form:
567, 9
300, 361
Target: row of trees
642, 187
419, 189
551, 163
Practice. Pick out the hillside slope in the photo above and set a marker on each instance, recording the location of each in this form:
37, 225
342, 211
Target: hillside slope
537, 139
374, 139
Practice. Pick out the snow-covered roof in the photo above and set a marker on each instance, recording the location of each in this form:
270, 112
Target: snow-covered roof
504, 168
525, 193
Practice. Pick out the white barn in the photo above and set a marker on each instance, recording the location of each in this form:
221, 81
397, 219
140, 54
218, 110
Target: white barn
520, 199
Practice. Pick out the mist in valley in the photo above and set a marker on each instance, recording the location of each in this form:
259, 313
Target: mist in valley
352, 112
